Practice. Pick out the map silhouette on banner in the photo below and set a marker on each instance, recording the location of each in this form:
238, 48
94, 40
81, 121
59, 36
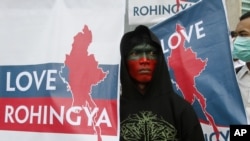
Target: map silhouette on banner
83, 74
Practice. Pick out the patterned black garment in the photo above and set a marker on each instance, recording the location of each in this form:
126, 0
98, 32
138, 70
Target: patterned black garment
159, 114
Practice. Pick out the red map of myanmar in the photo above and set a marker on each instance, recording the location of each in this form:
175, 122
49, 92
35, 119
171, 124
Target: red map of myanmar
83, 73
186, 67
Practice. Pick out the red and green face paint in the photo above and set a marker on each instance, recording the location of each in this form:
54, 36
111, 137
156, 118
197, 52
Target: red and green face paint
141, 62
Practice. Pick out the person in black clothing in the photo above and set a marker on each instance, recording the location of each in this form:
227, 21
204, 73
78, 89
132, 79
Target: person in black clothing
150, 110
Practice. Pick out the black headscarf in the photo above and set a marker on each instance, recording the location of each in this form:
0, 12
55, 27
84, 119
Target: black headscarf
161, 82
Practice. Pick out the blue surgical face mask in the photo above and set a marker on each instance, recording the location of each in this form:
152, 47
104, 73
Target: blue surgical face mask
242, 48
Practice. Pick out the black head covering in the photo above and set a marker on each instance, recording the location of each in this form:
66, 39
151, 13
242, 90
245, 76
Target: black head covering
161, 82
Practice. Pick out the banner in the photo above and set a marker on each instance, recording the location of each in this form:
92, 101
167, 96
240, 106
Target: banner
59, 66
154, 11
197, 48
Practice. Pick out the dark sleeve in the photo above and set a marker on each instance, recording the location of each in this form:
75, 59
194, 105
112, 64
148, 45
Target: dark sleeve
191, 127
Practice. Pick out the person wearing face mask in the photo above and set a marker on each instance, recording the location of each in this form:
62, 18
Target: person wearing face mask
237, 62
150, 110
242, 51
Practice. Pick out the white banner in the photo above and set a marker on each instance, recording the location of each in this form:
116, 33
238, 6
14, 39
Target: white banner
59, 64
155, 11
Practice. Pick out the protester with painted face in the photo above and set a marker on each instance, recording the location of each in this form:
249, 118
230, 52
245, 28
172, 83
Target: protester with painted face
242, 52
149, 108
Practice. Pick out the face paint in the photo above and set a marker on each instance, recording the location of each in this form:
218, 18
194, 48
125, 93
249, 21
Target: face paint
141, 62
